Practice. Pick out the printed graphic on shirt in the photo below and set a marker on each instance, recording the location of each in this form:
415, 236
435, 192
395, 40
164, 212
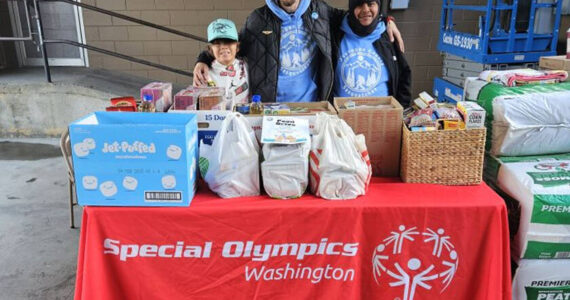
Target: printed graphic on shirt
297, 50
361, 71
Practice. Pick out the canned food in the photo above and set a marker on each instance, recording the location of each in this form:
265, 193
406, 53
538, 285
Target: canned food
242, 108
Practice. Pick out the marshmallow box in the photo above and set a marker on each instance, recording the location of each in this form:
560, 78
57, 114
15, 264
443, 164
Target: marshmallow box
134, 159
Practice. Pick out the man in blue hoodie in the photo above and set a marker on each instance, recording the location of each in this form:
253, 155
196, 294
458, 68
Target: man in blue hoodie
366, 62
287, 45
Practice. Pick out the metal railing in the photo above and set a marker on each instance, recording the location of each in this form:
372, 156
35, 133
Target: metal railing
43, 42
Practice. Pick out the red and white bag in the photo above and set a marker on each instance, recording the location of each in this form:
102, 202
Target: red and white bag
339, 165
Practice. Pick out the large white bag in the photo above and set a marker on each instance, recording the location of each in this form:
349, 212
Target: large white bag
531, 124
285, 171
339, 162
286, 145
230, 165
544, 279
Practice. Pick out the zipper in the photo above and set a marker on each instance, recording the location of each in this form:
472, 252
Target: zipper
278, 35
306, 19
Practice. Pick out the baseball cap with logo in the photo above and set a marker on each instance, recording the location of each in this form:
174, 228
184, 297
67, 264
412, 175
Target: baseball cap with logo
222, 29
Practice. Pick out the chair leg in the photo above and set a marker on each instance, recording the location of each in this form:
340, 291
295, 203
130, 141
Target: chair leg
72, 215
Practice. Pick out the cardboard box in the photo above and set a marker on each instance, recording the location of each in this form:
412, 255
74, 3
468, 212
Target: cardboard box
555, 63
161, 94
473, 114
312, 108
134, 159
382, 128
209, 121
210, 98
185, 100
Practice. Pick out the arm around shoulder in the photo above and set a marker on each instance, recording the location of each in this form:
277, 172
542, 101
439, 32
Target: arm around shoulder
404, 93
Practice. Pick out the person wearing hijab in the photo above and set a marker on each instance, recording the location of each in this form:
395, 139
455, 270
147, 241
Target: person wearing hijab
366, 62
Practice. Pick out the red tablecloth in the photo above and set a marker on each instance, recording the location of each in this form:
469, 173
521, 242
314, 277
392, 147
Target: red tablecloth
401, 241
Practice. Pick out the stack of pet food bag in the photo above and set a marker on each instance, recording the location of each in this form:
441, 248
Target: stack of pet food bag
528, 163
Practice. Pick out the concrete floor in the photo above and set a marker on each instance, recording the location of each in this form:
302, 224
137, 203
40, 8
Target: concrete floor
38, 255
38, 250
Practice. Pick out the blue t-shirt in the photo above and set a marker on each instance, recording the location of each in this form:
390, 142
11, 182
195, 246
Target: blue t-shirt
297, 64
360, 71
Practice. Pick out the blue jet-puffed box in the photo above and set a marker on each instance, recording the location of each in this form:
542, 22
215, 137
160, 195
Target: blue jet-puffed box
134, 159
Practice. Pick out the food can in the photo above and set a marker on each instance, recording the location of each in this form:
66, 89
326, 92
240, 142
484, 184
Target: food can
243, 108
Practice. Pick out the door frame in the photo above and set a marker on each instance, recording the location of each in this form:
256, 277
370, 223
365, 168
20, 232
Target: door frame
24, 61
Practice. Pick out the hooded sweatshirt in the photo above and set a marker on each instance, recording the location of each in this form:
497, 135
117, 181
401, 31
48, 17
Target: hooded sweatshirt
297, 69
360, 71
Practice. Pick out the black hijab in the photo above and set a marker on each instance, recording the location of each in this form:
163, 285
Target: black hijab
353, 22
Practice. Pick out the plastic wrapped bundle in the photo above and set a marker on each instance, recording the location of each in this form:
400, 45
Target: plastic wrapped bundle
531, 124
526, 120
541, 187
542, 279
286, 145
285, 171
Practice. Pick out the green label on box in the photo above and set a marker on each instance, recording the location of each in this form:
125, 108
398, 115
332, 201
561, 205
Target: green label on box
547, 293
545, 250
551, 209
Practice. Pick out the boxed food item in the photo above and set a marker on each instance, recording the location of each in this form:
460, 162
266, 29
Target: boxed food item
134, 159
161, 94
540, 186
210, 98
122, 104
473, 114
555, 63
379, 119
185, 100
286, 145
452, 157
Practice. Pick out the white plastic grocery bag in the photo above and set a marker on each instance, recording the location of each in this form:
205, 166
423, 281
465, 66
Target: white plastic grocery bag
286, 145
339, 162
230, 165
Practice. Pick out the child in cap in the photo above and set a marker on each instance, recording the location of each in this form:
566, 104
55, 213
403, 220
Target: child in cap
227, 71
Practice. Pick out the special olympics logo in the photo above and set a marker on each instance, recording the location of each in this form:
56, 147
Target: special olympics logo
297, 50
415, 268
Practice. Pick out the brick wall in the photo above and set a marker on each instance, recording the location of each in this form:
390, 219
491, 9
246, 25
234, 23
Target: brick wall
418, 24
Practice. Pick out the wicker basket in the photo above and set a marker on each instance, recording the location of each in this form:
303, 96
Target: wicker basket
443, 157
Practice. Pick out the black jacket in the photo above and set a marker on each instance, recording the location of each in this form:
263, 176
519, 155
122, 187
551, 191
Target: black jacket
260, 43
400, 79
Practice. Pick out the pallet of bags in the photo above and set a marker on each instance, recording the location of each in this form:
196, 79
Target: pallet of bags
540, 186
532, 119
538, 279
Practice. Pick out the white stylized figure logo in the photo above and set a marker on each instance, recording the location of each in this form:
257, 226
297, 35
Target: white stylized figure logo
398, 238
406, 267
297, 50
361, 71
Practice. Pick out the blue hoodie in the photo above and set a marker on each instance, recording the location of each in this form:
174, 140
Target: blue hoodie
360, 71
297, 67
